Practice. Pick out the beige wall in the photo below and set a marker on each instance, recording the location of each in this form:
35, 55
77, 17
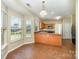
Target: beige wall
67, 26
73, 20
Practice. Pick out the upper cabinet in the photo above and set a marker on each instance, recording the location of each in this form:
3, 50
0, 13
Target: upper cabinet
53, 27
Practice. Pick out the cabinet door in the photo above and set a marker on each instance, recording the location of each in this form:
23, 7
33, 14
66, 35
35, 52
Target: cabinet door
41, 38
55, 40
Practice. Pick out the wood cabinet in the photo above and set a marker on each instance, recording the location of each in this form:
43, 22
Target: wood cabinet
48, 38
45, 26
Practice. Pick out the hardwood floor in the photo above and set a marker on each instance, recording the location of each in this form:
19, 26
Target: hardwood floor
42, 51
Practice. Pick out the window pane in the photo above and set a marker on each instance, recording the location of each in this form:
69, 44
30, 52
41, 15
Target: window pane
36, 28
28, 28
36, 25
15, 28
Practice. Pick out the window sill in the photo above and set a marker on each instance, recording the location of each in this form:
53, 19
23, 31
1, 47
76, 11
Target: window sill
28, 35
14, 40
3, 46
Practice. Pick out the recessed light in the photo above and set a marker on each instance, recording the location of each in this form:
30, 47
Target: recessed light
28, 4
43, 1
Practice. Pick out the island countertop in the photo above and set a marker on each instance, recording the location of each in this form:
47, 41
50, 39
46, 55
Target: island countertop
49, 32
48, 38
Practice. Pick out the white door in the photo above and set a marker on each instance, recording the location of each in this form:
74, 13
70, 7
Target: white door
67, 28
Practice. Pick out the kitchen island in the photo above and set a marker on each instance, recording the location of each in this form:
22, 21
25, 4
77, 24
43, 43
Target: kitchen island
48, 38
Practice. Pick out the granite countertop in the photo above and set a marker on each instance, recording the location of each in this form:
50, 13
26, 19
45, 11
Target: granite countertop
46, 32
49, 31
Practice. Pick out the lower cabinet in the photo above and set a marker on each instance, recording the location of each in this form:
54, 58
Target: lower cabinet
48, 38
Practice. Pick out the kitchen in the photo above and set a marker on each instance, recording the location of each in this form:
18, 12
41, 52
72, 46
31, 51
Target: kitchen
50, 33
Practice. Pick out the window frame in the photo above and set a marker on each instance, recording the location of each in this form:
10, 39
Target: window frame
4, 25
28, 34
19, 18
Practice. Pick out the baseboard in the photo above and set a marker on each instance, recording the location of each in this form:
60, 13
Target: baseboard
3, 57
11, 51
29, 42
16, 48
67, 39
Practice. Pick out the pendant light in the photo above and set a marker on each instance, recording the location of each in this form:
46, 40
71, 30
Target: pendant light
43, 12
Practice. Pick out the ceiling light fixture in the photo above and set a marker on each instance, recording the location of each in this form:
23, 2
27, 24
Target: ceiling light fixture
43, 12
58, 17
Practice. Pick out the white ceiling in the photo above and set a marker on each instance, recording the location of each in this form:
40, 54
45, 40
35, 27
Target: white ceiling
53, 7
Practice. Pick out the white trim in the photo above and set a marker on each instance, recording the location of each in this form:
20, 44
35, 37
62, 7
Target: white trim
28, 35
29, 42
19, 46
11, 50
5, 56
3, 10
14, 40
3, 46
66, 38
16, 48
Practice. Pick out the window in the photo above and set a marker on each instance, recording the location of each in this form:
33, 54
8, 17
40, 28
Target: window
15, 28
28, 28
3, 28
36, 25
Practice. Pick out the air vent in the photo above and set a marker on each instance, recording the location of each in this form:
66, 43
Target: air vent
28, 4
43, 1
